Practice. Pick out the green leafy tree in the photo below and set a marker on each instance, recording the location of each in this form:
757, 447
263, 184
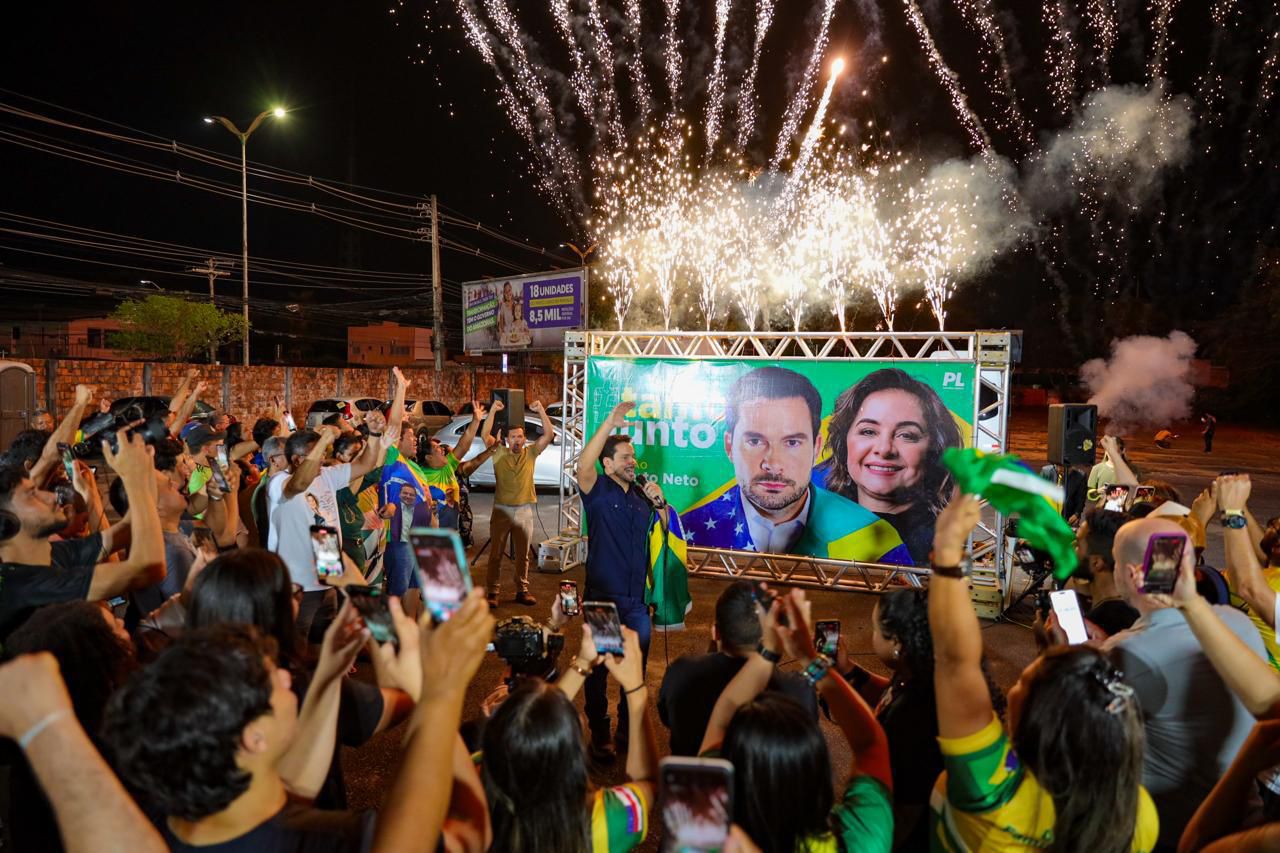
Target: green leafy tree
170, 327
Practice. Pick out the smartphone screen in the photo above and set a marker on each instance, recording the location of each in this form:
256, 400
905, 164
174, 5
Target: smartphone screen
697, 804
1114, 496
442, 569
1144, 494
324, 545
222, 456
569, 598
215, 473
826, 636
1162, 561
606, 629
371, 604
68, 461
1066, 604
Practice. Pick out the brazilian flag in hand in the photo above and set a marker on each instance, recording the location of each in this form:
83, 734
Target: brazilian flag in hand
1010, 487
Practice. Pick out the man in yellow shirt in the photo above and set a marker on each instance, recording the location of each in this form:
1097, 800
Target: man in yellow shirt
514, 500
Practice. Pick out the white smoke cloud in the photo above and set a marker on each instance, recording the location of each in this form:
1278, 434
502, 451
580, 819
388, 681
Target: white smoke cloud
1121, 141
1145, 383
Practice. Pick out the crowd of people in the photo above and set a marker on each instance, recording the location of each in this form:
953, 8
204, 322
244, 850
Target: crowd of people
181, 677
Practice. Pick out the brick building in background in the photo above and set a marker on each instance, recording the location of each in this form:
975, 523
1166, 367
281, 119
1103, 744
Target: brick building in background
88, 337
386, 344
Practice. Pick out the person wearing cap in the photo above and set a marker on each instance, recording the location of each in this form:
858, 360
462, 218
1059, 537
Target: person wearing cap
223, 518
202, 443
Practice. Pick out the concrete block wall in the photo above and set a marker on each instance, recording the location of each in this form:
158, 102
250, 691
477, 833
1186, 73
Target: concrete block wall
247, 392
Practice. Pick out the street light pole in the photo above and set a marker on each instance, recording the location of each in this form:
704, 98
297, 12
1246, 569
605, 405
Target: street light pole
244, 239
243, 136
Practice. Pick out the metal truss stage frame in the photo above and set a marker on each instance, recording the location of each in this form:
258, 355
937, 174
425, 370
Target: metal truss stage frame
992, 352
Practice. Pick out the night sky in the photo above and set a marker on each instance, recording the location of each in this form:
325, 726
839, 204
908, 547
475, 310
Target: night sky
390, 96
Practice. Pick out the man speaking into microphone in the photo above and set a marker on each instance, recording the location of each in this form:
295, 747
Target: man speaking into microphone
618, 512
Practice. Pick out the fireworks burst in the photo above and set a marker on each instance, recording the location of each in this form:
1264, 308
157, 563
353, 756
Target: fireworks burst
835, 218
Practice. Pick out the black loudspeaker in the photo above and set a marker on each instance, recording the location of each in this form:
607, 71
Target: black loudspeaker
1073, 434
513, 400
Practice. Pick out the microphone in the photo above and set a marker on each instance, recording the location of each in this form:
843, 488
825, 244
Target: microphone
642, 480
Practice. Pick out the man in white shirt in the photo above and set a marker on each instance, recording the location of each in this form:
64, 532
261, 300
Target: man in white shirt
300, 494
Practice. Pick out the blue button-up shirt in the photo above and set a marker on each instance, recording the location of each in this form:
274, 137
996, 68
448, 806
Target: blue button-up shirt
617, 540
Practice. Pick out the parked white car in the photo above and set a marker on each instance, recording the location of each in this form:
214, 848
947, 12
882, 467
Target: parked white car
546, 468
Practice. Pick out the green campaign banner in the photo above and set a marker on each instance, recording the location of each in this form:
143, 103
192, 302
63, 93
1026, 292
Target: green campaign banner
826, 458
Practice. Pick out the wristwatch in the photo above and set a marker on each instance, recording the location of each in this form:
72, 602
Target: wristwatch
1234, 519
769, 655
580, 668
817, 670
961, 571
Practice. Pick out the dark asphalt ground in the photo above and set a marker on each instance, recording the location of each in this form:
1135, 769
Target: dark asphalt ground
371, 769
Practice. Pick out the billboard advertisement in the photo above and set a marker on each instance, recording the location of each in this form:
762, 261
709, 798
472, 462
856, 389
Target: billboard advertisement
823, 458
528, 312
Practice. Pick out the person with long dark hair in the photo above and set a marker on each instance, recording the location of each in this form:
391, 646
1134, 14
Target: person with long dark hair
887, 434
783, 796
535, 764
906, 707
1067, 775
252, 587
96, 658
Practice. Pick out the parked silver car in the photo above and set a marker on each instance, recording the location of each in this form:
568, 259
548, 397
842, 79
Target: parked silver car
546, 468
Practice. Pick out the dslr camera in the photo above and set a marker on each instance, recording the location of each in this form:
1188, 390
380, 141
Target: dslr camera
521, 642
103, 427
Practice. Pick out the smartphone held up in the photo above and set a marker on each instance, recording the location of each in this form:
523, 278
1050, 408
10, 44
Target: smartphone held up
1162, 561
442, 570
372, 605
606, 628
697, 804
327, 551
569, 603
826, 636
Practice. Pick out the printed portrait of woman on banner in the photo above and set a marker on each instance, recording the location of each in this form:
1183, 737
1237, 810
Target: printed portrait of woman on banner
886, 436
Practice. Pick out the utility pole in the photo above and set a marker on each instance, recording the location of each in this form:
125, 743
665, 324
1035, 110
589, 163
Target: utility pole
214, 273
437, 288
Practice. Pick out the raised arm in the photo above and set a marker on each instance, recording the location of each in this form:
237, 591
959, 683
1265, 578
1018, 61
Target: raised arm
1124, 474
1243, 568
486, 433
184, 387
395, 419
964, 702
188, 406
301, 479
463, 447
587, 659
1249, 676
306, 764
590, 454
1224, 811
435, 791
642, 756
90, 805
65, 433
373, 455
750, 681
145, 564
548, 429
466, 469
864, 734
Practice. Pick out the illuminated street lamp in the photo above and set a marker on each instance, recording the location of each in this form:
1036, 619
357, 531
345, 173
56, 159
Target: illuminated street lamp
243, 136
